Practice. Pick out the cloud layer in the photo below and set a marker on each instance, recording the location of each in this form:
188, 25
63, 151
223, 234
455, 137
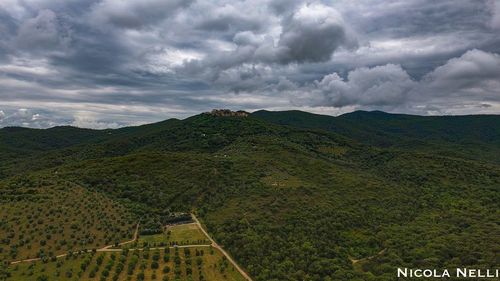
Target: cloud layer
111, 63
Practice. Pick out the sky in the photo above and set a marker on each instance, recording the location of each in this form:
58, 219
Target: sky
113, 63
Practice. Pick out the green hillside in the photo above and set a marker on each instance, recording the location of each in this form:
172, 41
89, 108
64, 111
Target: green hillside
473, 136
311, 200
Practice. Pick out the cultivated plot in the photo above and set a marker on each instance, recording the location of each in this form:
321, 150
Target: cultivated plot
182, 264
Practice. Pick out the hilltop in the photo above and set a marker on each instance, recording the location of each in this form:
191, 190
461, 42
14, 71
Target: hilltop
227, 113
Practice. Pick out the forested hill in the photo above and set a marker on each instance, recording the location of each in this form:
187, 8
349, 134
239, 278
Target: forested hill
471, 136
374, 128
290, 195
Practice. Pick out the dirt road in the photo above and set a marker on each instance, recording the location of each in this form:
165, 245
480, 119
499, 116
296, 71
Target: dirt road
355, 261
136, 234
215, 245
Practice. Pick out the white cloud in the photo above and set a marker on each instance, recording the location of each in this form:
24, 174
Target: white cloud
469, 82
166, 60
86, 119
381, 85
473, 65
22, 113
472, 77
33, 67
26, 118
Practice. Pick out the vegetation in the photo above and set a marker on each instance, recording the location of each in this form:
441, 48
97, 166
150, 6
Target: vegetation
170, 264
185, 234
42, 217
182, 234
472, 136
289, 198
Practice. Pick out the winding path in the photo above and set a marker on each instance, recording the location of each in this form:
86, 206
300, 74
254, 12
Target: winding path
355, 261
136, 234
215, 245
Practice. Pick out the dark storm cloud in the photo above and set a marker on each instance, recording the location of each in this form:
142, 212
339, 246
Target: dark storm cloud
44, 32
430, 32
420, 17
108, 63
283, 6
7, 28
312, 34
135, 14
227, 22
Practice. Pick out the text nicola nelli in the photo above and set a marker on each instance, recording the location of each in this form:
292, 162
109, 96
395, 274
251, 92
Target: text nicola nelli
444, 273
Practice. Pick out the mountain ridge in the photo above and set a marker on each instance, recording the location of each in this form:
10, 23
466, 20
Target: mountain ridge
257, 113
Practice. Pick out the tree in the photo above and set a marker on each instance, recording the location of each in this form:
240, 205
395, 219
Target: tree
42, 277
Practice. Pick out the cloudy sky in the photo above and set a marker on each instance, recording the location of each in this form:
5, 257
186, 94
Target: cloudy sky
111, 63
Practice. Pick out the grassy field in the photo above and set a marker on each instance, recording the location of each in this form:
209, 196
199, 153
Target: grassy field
183, 264
185, 234
182, 234
43, 218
